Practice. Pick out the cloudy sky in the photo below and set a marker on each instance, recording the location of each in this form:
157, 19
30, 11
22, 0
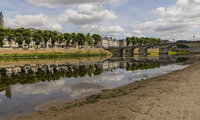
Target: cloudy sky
166, 19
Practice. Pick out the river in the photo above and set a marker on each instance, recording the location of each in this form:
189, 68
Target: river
26, 88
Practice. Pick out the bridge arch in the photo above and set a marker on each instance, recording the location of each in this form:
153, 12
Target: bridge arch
178, 45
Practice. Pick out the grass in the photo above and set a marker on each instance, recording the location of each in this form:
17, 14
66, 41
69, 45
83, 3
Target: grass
153, 53
178, 53
51, 55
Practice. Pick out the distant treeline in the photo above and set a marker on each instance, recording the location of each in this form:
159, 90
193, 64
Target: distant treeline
21, 35
142, 41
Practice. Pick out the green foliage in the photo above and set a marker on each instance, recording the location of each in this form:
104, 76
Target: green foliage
89, 39
52, 55
46, 36
81, 38
67, 38
60, 38
2, 35
40, 37
37, 37
97, 38
136, 41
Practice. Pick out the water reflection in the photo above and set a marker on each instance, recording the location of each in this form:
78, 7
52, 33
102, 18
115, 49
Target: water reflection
23, 87
8, 92
30, 74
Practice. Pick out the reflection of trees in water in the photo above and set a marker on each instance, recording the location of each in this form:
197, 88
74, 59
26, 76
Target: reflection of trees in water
141, 66
44, 73
41, 75
8, 92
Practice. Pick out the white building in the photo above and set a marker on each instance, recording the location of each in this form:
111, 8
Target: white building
108, 42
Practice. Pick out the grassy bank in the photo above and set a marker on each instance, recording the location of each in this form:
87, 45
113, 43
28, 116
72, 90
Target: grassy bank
153, 53
178, 53
169, 53
58, 53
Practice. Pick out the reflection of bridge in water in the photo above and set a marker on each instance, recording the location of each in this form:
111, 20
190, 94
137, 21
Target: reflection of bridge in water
191, 47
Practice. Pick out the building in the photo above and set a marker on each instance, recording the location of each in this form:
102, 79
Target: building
108, 42
2, 24
122, 43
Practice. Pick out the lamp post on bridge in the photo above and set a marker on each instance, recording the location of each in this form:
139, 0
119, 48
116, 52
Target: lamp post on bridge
194, 38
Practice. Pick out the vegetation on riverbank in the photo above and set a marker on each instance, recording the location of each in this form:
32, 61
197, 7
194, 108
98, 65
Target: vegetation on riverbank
53, 55
170, 53
178, 53
153, 53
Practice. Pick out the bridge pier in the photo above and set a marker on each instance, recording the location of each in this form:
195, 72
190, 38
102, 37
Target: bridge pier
142, 51
194, 50
129, 52
163, 51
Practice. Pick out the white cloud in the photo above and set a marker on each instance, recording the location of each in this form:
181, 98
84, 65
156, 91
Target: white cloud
72, 89
86, 14
136, 33
34, 21
103, 30
56, 3
176, 20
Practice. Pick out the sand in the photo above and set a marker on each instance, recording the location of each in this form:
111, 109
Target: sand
174, 96
51, 50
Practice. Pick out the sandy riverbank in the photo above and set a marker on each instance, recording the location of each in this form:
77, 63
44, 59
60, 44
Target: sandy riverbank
50, 50
175, 96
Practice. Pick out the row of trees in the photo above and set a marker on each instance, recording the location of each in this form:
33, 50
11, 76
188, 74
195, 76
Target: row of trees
142, 41
38, 36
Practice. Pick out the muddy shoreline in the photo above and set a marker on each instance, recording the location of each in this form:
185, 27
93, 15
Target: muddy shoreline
172, 96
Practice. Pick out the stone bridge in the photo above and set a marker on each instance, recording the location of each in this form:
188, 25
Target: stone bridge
193, 47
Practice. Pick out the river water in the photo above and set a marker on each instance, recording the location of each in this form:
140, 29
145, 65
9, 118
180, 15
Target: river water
26, 87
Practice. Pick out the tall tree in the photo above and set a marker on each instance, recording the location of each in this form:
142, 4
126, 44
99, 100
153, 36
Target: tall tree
97, 38
2, 36
89, 39
67, 38
37, 37
19, 36
81, 38
54, 37
10, 35
128, 40
46, 37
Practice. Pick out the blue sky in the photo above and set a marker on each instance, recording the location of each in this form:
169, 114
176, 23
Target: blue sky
166, 19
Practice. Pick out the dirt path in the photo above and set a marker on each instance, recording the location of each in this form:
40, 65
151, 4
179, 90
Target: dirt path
175, 96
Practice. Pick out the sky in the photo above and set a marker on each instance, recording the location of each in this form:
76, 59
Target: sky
165, 19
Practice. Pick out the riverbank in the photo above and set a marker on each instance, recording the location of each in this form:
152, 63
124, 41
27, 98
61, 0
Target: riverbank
51, 53
21, 62
173, 96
